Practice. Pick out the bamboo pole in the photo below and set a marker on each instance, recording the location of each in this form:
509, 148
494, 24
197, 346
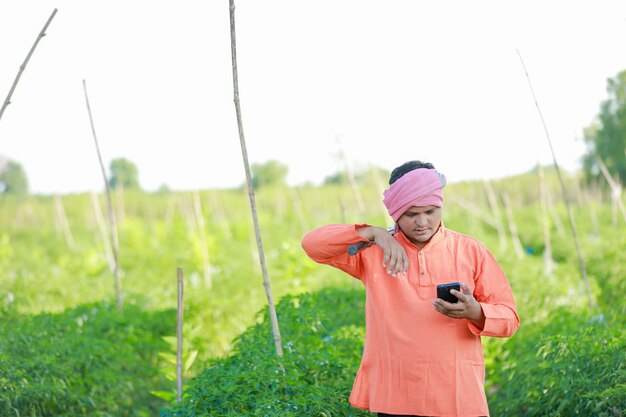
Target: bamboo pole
112, 223
170, 210
298, 208
495, 211
244, 153
206, 264
104, 235
62, 222
616, 191
179, 337
121, 206
570, 214
508, 210
187, 212
474, 210
545, 223
220, 217
351, 179
252, 244
42, 33
381, 189
554, 212
342, 211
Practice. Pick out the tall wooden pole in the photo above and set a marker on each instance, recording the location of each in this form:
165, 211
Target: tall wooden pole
7, 100
616, 191
179, 337
581, 259
545, 223
244, 153
508, 210
112, 222
204, 247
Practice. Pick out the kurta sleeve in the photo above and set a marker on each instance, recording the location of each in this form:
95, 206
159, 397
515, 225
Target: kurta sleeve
329, 245
493, 292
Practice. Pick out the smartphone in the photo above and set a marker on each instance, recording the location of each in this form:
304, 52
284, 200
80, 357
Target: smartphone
443, 291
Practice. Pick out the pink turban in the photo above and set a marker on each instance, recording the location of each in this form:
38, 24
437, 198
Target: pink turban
419, 187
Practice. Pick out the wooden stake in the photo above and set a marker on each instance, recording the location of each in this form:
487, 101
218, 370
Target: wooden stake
616, 192
473, 209
545, 223
554, 212
179, 337
298, 208
121, 206
7, 100
381, 189
351, 180
104, 235
220, 217
517, 244
112, 223
244, 153
495, 211
581, 259
62, 222
204, 248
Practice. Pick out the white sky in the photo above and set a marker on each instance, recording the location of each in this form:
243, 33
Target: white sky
394, 80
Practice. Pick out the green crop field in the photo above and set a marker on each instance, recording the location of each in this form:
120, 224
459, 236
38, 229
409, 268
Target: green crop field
65, 350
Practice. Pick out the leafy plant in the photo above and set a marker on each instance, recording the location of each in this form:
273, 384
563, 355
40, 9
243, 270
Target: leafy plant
90, 360
322, 337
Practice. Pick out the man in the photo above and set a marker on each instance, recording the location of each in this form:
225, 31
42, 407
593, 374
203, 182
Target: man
423, 355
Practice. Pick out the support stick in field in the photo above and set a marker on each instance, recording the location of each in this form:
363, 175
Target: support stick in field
244, 153
380, 187
298, 208
7, 100
204, 247
508, 210
112, 223
570, 215
104, 235
492, 198
179, 337
62, 223
220, 217
475, 211
616, 191
356, 192
545, 223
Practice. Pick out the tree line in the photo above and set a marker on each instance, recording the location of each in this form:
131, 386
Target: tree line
605, 138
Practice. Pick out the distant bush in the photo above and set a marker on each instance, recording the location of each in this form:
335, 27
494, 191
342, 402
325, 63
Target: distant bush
322, 337
268, 173
88, 361
12, 178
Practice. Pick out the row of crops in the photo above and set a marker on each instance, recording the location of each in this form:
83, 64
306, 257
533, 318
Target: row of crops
66, 350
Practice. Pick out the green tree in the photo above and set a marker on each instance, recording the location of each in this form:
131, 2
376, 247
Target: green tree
366, 176
124, 174
12, 178
268, 173
606, 137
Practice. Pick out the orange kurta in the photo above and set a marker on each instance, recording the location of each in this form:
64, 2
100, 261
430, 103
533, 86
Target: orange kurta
416, 360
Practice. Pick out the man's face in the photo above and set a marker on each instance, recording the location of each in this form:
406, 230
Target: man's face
419, 224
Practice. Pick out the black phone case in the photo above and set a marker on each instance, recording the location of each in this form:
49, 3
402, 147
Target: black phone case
443, 291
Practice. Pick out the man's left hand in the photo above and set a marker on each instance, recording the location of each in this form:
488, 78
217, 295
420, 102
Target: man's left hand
466, 308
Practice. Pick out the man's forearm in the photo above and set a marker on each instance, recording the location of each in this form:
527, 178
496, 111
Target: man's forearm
369, 232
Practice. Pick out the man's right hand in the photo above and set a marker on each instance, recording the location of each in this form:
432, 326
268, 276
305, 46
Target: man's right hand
395, 259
